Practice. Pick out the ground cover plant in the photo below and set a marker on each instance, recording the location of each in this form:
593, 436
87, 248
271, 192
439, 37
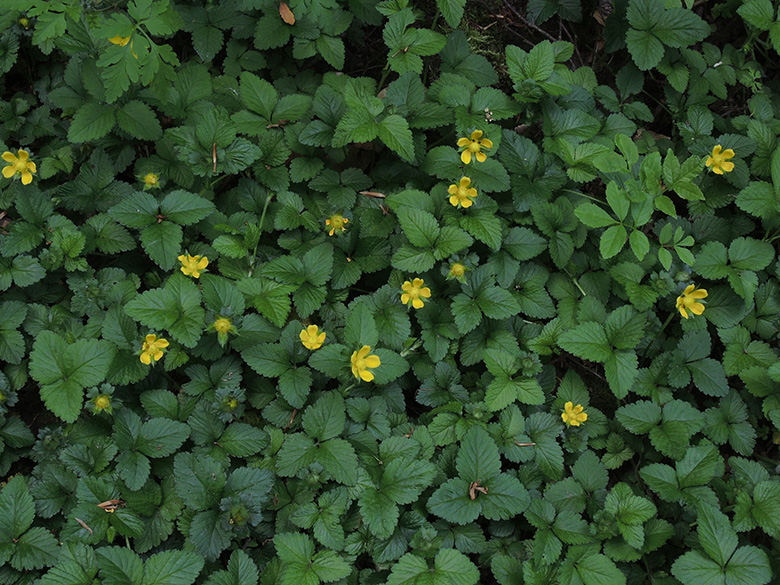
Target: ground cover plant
389, 292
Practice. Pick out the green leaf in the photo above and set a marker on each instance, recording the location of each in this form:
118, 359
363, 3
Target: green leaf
360, 328
119, 566
162, 242
172, 567
612, 241
478, 456
621, 369
394, 132
185, 208
420, 227
161, 437
594, 216
64, 370
759, 13
17, 511
91, 122
139, 121
242, 440
716, 536
590, 569
137, 211
37, 548
452, 11
199, 480
587, 341
712, 261
640, 417
750, 254
325, 418
451, 567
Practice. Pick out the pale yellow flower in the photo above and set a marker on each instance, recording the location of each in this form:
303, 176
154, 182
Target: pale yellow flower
312, 338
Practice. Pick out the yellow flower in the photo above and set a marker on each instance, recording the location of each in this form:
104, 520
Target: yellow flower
573, 415
718, 160
461, 195
312, 338
336, 222
457, 270
688, 300
361, 362
117, 40
412, 291
19, 165
192, 265
152, 349
222, 325
150, 180
102, 402
473, 146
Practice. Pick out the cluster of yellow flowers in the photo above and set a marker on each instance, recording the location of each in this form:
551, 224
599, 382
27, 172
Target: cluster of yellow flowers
462, 194
362, 363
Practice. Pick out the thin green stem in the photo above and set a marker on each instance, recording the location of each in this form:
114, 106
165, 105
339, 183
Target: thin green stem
652, 341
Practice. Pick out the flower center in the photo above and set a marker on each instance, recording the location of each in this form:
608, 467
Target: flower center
474, 146
102, 402
360, 364
222, 325
20, 166
458, 270
463, 193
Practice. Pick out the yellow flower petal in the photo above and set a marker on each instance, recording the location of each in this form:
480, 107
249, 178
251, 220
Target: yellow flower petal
366, 376
463, 142
26, 178
728, 153
727, 166
417, 304
9, 172
465, 156
487, 143
373, 361
696, 308
11, 157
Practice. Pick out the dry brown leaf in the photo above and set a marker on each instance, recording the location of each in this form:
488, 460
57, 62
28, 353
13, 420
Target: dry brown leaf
286, 14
